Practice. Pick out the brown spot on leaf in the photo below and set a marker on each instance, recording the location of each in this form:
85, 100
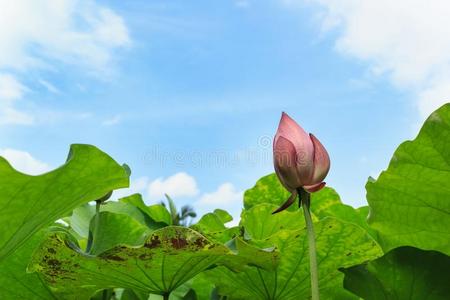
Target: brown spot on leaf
145, 256
178, 242
200, 243
153, 243
54, 263
114, 257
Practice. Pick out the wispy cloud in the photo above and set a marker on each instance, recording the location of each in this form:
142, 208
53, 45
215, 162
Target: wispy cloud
35, 33
408, 40
46, 35
50, 87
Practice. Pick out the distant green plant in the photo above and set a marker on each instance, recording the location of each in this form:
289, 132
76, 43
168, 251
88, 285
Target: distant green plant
182, 218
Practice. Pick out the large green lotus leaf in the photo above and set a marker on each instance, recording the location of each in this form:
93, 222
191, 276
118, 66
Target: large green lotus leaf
260, 224
327, 203
110, 230
169, 257
267, 189
15, 282
243, 255
410, 201
28, 203
339, 244
402, 273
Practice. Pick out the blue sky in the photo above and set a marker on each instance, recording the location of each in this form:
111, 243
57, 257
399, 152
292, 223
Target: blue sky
189, 94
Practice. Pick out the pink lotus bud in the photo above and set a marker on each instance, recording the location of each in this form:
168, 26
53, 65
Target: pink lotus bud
300, 160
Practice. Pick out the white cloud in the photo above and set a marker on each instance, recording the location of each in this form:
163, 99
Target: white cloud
178, 185
10, 115
12, 90
48, 35
24, 161
407, 39
226, 195
33, 33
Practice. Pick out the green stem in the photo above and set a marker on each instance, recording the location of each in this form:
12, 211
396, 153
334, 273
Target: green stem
166, 296
97, 218
305, 201
96, 226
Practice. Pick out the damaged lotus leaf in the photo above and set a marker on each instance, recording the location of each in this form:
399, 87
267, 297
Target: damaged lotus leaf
339, 244
409, 202
15, 282
28, 203
403, 273
170, 257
